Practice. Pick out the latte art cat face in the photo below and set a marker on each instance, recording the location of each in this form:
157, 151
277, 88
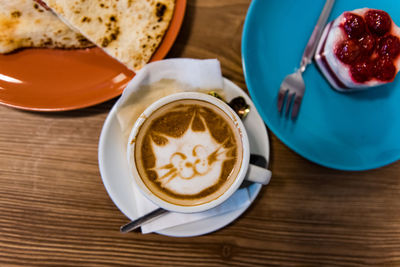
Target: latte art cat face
190, 163
188, 152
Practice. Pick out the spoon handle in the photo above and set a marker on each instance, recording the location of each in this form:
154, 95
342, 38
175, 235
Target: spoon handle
146, 218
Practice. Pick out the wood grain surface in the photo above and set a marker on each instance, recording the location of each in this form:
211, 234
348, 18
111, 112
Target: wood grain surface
54, 209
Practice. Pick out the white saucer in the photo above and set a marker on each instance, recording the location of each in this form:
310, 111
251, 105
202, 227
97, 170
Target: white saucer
116, 179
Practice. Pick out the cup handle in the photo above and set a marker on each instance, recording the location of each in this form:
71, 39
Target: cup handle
258, 174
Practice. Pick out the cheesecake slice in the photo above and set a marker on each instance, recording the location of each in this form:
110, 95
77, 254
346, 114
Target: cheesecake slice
359, 49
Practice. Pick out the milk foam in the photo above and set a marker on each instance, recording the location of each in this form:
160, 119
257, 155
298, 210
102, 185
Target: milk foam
185, 165
188, 152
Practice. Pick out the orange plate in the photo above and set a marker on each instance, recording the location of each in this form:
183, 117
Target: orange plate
56, 80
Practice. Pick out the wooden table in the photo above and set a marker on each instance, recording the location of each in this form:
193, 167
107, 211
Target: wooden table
55, 210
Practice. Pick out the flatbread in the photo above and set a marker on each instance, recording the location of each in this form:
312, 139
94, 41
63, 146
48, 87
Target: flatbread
128, 30
25, 23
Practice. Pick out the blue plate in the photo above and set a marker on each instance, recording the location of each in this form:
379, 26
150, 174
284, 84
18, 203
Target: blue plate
356, 131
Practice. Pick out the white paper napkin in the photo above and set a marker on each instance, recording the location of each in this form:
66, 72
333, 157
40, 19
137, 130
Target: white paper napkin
154, 81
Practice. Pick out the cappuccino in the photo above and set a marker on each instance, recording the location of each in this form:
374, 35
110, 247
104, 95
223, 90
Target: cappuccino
188, 152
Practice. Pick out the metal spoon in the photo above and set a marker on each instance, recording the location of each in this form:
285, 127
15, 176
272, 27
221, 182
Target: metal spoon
239, 105
132, 225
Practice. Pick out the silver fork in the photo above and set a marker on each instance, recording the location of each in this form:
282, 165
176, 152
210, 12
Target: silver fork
293, 84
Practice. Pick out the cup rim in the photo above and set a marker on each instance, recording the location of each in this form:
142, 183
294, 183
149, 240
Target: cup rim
181, 96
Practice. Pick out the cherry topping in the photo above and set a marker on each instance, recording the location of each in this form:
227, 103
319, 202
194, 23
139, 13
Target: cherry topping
378, 21
384, 69
354, 25
367, 44
389, 46
368, 48
361, 71
348, 51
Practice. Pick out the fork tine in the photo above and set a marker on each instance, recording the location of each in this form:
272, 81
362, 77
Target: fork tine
281, 98
289, 102
296, 106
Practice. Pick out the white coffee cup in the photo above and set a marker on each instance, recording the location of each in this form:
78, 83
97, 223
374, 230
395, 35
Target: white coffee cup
247, 171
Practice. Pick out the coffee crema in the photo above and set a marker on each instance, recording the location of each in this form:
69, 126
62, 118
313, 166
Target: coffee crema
188, 152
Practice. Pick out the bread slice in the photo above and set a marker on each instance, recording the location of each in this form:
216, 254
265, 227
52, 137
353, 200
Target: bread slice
25, 23
128, 30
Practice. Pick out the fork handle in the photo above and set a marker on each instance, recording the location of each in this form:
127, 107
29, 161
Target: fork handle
316, 35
